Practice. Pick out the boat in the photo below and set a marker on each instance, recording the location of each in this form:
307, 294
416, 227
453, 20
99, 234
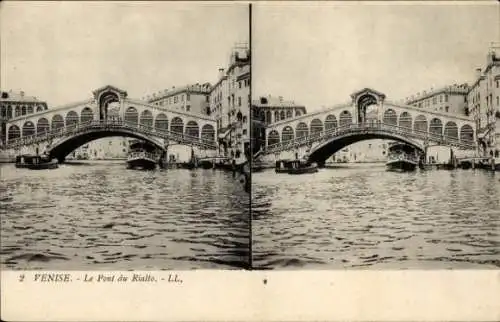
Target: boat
283, 166
302, 167
402, 158
142, 156
36, 162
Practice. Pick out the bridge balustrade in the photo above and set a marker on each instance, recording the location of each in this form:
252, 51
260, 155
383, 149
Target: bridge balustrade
359, 127
110, 124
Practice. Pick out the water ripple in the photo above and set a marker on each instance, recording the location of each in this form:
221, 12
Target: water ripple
364, 217
100, 216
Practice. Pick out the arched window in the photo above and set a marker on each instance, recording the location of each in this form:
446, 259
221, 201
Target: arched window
316, 127
287, 134
71, 119
28, 128
405, 120
345, 119
177, 125
42, 126
57, 122
330, 122
436, 127
390, 117
14, 132
467, 134
192, 129
147, 118
273, 137
301, 130
420, 125
161, 122
87, 115
451, 130
131, 115
208, 133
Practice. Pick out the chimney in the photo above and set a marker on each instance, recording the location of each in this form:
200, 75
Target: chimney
22, 93
281, 98
221, 72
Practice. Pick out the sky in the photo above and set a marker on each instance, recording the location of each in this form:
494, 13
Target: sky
317, 54
61, 51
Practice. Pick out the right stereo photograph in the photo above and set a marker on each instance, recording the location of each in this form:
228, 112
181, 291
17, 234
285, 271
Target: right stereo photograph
376, 136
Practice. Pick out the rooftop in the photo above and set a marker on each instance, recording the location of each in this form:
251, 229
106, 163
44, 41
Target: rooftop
11, 96
273, 101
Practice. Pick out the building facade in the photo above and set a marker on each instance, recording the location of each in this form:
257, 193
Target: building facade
449, 99
484, 104
190, 98
230, 104
267, 110
14, 104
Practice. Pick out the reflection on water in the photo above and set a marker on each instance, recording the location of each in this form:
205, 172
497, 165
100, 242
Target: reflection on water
101, 216
364, 217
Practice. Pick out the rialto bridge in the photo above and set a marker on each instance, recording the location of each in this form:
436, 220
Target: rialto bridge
367, 116
59, 131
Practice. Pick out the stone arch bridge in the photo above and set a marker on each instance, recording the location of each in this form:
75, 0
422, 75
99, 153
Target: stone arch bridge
367, 116
59, 131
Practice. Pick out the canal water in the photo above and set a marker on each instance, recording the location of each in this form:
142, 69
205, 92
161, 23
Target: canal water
362, 216
98, 215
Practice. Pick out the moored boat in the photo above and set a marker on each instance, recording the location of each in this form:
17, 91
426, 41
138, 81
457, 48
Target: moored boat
283, 166
401, 163
303, 167
402, 158
36, 162
142, 156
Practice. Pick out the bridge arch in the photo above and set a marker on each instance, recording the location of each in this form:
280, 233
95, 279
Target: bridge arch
330, 122
28, 128
177, 125
273, 137
316, 127
327, 148
146, 118
451, 130
42, 126
345, 118
436, 126
72, 118
68, 145
420, 124
14, 132
208, 133
161, 122
57, 122
405, 120
301, 130
87, 115
192, 129
467, 134
287, 134
390, 117
131, 115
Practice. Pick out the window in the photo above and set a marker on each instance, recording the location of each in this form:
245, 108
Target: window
440, 98
188, 108
239, 84
446, 108
497, 83
497, 102
446, 97
239, 101
188, 97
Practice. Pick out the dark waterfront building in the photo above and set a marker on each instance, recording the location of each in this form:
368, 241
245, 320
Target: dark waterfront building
14, 104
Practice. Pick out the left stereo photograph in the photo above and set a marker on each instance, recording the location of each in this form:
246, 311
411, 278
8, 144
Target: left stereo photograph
125, 136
